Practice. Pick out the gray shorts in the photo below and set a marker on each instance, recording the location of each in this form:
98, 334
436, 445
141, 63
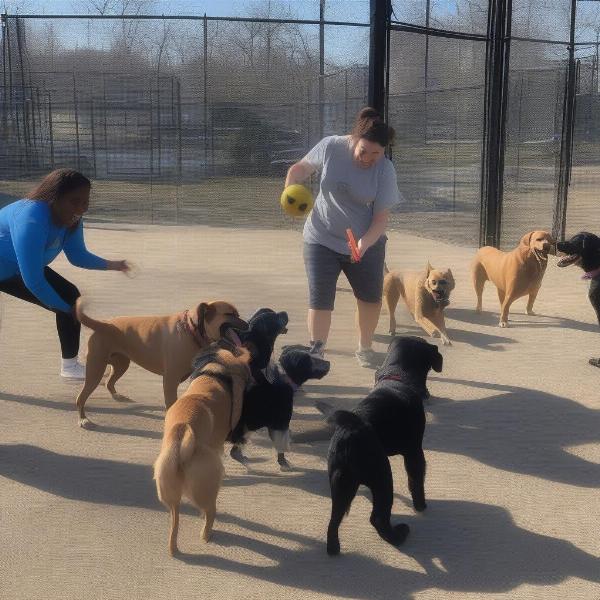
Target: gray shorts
323, 268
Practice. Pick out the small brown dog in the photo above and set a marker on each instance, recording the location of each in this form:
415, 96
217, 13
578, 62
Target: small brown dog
515, 274
425, 293
165, 345
196, 427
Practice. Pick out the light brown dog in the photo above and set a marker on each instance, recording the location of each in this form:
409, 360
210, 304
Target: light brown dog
515, 274
196, 427
425, 293
165, 345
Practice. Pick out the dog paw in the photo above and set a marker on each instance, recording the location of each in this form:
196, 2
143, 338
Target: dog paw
86, 424
595, 362
120, 397
436, 334
503, 324
333, 547
400, 533
446, 341
420, 506
531, 313
238, 456
284, 466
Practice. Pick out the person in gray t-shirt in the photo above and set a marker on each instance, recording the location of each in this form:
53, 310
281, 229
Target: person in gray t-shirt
357, 189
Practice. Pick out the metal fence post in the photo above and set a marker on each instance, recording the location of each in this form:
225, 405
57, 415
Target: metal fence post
559, 221
494, 129
321, 68
93, 132
50, 131
76, 123
380, 11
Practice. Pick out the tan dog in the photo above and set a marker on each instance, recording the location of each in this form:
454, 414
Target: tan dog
196, 427
425, 293
165, 345
515, 274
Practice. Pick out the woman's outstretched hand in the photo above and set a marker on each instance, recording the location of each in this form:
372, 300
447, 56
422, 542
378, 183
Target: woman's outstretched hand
118, 265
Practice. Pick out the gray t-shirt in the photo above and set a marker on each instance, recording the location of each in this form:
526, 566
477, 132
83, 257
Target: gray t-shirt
348, 195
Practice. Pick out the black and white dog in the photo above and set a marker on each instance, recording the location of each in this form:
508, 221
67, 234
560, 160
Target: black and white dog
583, 250
264, 326
389, 421
269, 400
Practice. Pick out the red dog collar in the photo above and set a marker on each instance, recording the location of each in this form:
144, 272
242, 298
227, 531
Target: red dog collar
393, 378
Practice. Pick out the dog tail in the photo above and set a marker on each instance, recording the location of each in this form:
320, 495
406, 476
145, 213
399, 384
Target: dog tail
177, 449
93, 324
181, 444
347, 420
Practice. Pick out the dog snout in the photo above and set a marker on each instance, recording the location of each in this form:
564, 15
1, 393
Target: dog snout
239, 324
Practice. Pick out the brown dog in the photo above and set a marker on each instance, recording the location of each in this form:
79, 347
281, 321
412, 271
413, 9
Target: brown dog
515, 274
165, 345
425, 293
196, 427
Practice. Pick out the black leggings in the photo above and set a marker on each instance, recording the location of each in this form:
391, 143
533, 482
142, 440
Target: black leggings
68, 327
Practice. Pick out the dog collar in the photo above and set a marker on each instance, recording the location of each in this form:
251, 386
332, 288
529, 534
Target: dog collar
592, 274
393, 378
185, 323
276, 373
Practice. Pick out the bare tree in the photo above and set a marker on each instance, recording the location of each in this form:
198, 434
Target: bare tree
129, 29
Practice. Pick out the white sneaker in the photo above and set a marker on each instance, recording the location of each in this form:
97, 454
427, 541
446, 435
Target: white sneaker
72, 370
366, 357
317, 348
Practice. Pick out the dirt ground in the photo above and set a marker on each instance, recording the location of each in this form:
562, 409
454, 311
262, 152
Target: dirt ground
512, 445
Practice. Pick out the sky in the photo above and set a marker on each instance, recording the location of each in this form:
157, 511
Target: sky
343, 46
352, 10
548, 19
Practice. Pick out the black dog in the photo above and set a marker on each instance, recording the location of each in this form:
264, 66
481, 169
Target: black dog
269, 401
263, 328
583, 250
389, 421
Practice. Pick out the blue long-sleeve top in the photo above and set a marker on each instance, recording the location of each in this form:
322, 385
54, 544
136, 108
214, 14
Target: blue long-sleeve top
30, 240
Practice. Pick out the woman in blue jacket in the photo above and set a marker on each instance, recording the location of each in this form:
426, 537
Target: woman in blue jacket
33, 232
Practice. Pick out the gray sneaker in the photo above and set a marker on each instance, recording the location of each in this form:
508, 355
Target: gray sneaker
317, 348
366, 358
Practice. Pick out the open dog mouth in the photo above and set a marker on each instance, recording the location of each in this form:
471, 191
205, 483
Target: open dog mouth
567, 261
439, 296
229, 334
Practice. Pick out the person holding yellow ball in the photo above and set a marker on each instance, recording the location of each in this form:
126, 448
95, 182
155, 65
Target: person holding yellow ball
357, 189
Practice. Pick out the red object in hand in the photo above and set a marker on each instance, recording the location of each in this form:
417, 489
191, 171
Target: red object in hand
353, 246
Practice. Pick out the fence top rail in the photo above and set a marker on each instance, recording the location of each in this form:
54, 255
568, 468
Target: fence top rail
436, 32
6, 16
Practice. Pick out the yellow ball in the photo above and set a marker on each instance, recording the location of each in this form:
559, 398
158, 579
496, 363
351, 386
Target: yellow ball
296, 200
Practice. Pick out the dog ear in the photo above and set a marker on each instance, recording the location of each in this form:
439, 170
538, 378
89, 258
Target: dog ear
201, 313
451, 278
428, 269
283, 319
526, 239
206, 312
437, 361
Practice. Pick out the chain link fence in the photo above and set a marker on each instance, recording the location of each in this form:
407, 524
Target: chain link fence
196, 120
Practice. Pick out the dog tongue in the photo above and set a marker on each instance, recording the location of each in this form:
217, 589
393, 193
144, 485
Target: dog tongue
234, 337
